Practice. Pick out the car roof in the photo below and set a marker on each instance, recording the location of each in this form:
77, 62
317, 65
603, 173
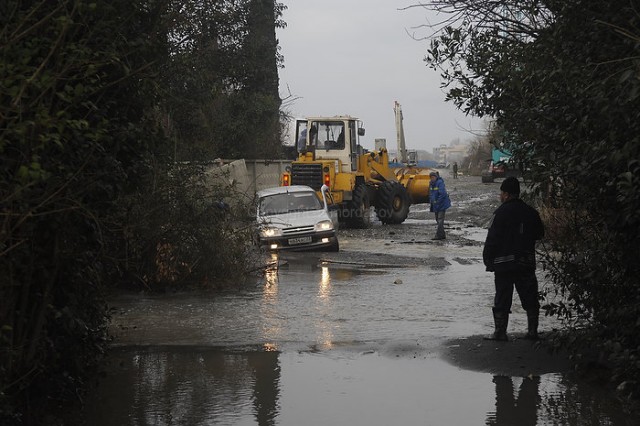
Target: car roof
284, 190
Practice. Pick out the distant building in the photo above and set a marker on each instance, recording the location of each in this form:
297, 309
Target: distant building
420, 155
446, 155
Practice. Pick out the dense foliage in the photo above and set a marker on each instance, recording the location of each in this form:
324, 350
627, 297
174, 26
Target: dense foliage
562, 79
221, 88
97, 97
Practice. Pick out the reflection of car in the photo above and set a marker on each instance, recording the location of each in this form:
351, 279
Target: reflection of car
294, 218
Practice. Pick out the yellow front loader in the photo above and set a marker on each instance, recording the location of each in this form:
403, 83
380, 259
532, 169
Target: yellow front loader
330, 154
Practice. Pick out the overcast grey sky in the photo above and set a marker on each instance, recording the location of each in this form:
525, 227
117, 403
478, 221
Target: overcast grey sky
356, 57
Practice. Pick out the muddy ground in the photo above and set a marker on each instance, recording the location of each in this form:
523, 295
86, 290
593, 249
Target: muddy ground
473, 204
389, 330
403, 247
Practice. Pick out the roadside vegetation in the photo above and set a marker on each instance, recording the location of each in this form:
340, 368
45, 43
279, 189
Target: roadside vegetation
108, 109
562, 79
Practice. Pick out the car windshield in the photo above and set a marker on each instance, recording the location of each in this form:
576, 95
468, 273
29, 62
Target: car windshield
288, 202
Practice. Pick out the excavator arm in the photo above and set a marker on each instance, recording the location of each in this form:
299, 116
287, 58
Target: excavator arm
375, 166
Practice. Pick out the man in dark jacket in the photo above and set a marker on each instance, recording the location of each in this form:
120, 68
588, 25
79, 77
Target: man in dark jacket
509, 252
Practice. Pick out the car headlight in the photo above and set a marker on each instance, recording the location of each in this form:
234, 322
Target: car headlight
325, 225
270, 232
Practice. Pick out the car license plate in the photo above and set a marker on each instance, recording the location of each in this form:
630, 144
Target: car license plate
299, 240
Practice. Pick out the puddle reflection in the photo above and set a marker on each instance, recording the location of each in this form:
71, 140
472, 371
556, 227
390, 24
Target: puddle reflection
186, 386
342, 349
206, 386
325, 283
511, 409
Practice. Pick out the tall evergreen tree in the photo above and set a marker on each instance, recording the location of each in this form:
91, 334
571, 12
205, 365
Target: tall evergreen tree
261, 85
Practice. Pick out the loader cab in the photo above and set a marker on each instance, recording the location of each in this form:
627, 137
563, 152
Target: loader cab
334, 138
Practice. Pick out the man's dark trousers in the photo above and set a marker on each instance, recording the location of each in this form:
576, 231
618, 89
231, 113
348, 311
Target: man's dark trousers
526, 285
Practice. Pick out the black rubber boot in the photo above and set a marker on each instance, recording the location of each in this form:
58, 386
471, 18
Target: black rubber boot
532, 325
501, 320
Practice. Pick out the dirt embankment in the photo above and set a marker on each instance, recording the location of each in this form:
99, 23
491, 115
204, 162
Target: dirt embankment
517, 357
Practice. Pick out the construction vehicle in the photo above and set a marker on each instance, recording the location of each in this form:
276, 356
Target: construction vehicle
500, 165
415, 179
330, 154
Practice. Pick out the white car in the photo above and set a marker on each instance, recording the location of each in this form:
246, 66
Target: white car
294, 218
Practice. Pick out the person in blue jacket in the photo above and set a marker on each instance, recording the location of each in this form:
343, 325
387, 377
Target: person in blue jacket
440, 202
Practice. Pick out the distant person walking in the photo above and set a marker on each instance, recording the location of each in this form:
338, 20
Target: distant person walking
455, 170
440, 202
509, 252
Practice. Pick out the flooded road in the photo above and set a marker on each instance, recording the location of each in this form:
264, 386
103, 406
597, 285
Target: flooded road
210, 386
358, 337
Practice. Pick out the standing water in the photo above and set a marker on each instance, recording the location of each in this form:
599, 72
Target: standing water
325, 341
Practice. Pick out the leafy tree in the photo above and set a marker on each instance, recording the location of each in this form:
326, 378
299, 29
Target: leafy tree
562, 78
479, 153
222, 82
91, 95
73, 132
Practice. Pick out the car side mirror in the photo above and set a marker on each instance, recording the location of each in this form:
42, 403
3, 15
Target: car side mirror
325, 189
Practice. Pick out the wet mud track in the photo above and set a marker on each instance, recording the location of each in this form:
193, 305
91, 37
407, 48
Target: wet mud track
385, 332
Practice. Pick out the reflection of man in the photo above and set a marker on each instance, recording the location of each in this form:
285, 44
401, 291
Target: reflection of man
522, 411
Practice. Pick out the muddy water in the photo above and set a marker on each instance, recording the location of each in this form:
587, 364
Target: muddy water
213, 386
330, 340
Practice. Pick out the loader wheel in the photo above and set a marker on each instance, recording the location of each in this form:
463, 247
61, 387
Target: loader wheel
393, 203
358, 215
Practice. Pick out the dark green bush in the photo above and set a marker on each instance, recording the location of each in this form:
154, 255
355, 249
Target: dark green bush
186, 230
88, 195
563, 81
